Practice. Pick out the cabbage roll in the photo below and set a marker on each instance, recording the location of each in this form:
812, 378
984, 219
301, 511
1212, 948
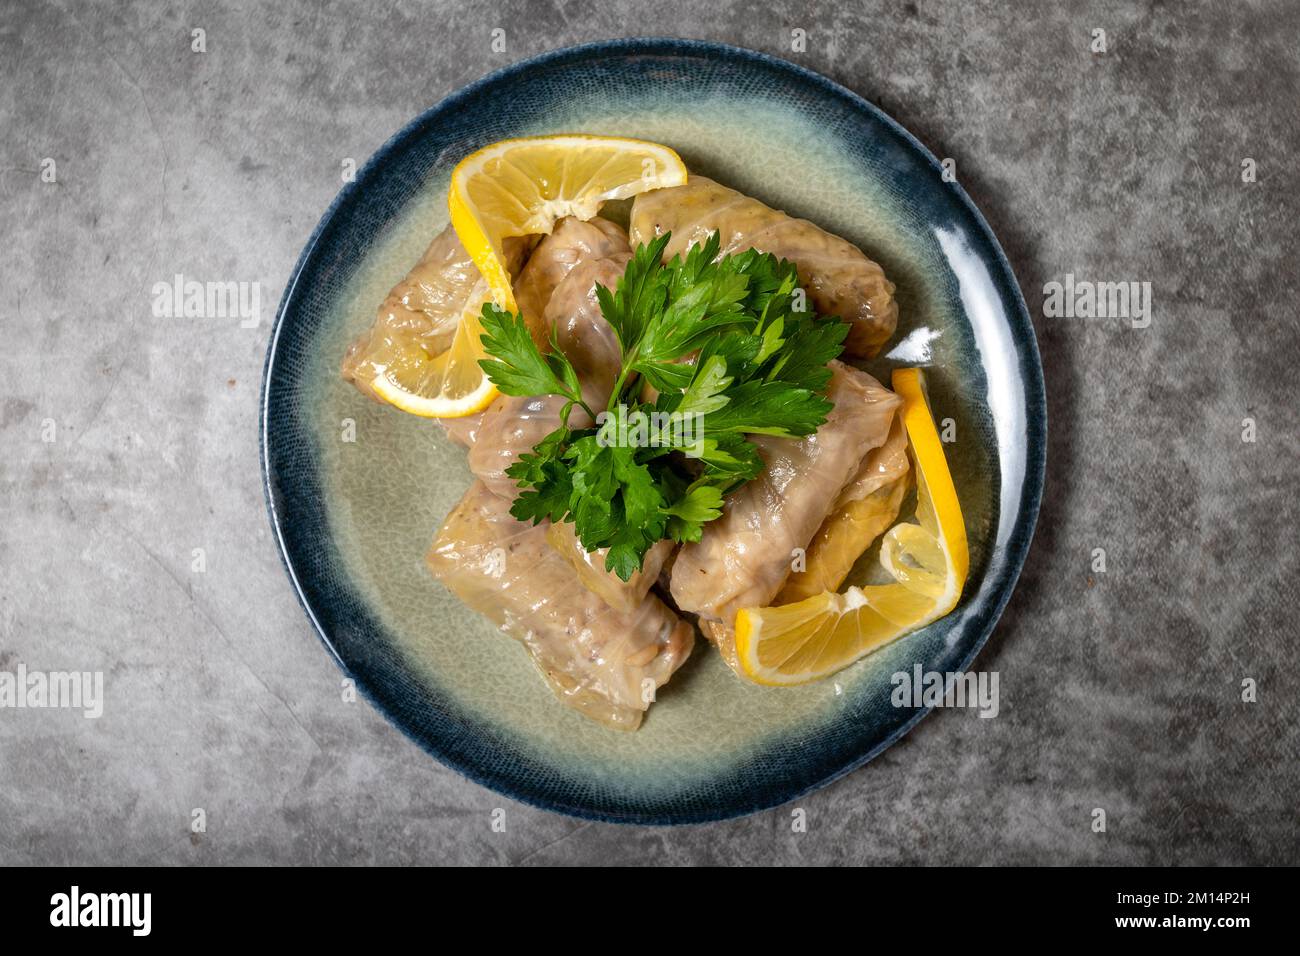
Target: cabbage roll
867, 507
744, 557
590, 568
603, 662
462, 431
571, 241
513, 424
423, 309
576, 257
839, 278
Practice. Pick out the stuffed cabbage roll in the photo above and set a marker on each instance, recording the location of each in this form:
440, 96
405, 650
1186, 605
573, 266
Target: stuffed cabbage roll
744, 557
423, 309
512, 425
463, 431
840, 279
867, 507
602, 662
590, 568
571, 241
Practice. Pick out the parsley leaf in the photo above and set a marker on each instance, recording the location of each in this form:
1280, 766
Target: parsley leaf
730, 348
545, 477
697, 507
640, 295
770, 408
520, 367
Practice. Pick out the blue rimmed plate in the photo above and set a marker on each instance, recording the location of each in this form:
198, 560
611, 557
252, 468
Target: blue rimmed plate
355, 491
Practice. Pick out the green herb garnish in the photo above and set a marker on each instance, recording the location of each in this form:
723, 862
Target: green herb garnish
731, 351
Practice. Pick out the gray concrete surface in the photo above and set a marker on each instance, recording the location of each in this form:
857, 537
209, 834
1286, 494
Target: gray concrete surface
1120, 690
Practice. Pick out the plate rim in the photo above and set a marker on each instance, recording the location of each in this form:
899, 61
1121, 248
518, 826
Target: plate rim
1019, 322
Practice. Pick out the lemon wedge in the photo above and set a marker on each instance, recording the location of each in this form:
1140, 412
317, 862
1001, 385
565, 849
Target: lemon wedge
517, 187
447, 385
522, 187
928, 560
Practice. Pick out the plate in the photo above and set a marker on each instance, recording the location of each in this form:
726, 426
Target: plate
355, 491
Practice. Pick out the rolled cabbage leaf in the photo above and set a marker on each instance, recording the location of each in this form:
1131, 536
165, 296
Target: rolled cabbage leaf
422, 310
744, 557
867, 507
841, 280
604, 663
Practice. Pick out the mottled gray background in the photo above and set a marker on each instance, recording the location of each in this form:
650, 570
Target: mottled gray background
1119, 690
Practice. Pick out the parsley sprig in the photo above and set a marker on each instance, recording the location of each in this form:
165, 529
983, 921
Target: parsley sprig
729, 349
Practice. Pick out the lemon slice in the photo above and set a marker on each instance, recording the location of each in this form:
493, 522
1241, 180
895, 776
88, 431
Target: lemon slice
928, 560
521, 187
447, 385
517, 187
